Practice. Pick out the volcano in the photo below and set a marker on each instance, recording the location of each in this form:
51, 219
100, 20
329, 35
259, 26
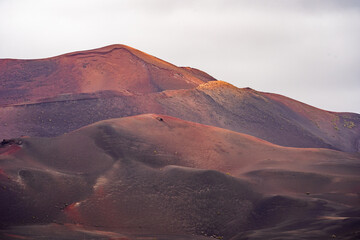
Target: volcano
113, 143
49, 97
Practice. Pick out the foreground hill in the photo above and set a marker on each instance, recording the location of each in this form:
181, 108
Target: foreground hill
155, 175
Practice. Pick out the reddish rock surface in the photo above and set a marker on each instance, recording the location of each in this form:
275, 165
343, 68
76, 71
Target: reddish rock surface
271, 117
79, 162
116, 67
155, 174
49, 97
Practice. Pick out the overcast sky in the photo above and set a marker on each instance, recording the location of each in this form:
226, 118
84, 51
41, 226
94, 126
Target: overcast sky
308, 50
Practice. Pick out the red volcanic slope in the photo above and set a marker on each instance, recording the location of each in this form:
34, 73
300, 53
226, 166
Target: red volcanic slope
116, 67
285, 122
155, 174
64, 93
342, 130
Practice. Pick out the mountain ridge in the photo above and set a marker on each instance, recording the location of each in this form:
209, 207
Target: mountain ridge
116, 67
125, 81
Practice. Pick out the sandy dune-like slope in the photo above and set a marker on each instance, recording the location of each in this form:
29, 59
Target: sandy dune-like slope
161, 177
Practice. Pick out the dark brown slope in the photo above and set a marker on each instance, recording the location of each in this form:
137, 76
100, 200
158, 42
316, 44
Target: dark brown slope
271, 117
154, 174
116, 67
